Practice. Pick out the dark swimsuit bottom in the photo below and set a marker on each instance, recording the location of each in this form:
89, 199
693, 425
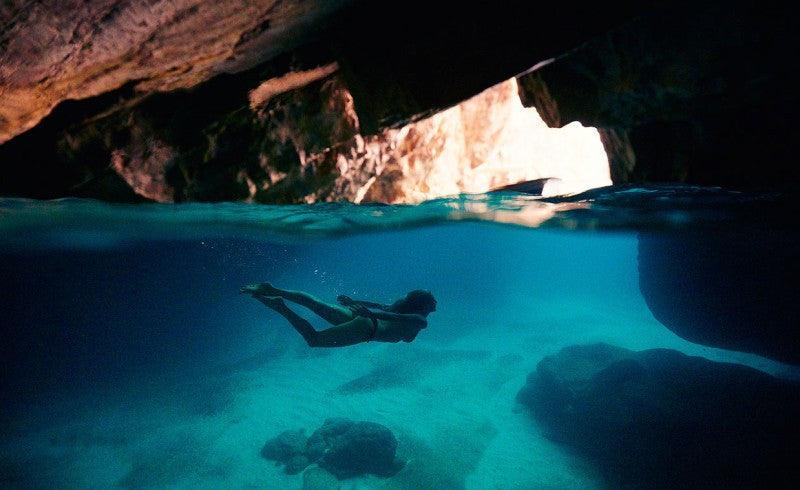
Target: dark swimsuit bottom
374, 332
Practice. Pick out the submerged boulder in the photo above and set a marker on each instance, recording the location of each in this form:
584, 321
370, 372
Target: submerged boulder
659, 418
343, 447
729, 289
347, 449
288, 448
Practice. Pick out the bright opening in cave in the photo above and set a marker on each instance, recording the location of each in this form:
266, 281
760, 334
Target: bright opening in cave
484, 143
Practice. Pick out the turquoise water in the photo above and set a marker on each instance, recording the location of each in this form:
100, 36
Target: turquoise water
132, 360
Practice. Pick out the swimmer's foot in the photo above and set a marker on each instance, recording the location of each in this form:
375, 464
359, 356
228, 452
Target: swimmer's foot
271, 302
263, 289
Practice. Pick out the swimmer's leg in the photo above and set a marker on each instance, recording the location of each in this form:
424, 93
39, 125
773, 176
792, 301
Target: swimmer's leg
353, 332
333, 314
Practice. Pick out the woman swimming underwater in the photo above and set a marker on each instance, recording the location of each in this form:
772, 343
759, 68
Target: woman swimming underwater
355, 321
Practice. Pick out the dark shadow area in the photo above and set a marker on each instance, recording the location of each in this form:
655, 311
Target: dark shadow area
84, 321
660, 419
726, 288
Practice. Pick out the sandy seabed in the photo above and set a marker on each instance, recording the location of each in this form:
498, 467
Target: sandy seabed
450, 402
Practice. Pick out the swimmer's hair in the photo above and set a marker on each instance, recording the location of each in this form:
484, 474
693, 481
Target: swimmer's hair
417, 301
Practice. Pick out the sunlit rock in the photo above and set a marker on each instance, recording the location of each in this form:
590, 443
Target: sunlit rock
81, 49
483, 143
297, 137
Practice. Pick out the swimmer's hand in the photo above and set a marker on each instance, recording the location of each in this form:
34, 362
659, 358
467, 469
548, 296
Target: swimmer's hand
345, 300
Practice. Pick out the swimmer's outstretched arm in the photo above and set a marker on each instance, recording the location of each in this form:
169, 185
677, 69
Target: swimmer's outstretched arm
348, 301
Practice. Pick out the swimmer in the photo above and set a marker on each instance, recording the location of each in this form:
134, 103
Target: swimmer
355, 321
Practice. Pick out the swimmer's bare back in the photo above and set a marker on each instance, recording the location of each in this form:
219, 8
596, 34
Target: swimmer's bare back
355, 323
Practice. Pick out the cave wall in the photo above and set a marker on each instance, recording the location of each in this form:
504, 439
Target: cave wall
418, 59
702, 95
295, 138
200, 143
129, 100
75, 49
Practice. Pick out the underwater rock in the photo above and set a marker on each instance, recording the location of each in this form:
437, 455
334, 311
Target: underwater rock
725, 289
288, 448
296, 464
347, 449
659, 418
342, 447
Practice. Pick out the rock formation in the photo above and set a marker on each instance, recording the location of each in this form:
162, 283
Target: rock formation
347, 449
183, 100
661, 419
299, 145
726, 289
76, 49
704, 97
288, 448
342, 447
271, 101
